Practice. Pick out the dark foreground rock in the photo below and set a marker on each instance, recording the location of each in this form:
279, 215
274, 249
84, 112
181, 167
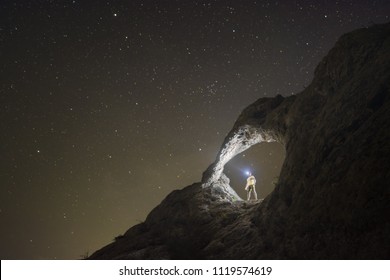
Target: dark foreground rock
332, 200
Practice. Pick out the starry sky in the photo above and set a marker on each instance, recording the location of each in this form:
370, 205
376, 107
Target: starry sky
108, 106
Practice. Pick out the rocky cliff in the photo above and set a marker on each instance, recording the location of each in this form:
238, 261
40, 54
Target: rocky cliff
332, 200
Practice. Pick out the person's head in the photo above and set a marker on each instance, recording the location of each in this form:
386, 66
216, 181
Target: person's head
249, 173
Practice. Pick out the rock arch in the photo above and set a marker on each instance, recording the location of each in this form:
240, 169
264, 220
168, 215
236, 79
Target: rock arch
266, 120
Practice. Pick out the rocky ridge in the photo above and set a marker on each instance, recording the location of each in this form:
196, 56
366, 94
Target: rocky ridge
332, 197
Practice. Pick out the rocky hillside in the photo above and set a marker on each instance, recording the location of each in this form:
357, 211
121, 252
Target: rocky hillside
332, 200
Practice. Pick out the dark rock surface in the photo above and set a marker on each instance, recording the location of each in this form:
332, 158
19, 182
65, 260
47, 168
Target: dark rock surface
332, 200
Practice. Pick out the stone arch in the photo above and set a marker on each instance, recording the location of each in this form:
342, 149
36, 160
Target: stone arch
266, 120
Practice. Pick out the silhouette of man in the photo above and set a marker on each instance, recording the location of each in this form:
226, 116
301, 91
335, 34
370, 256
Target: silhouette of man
251, 186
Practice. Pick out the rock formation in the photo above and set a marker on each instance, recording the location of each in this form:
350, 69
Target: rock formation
332, 200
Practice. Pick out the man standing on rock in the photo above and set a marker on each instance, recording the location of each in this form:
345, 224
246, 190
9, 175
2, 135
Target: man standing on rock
250, 186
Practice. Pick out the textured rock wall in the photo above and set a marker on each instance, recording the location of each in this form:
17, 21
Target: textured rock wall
332, 200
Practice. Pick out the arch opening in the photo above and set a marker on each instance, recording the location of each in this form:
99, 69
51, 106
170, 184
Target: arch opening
240, 140
266, 120
264, 160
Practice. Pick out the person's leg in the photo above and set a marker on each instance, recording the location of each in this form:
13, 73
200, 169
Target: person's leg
254, 192
249, 194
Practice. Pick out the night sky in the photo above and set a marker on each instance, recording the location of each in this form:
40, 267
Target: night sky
108, 106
